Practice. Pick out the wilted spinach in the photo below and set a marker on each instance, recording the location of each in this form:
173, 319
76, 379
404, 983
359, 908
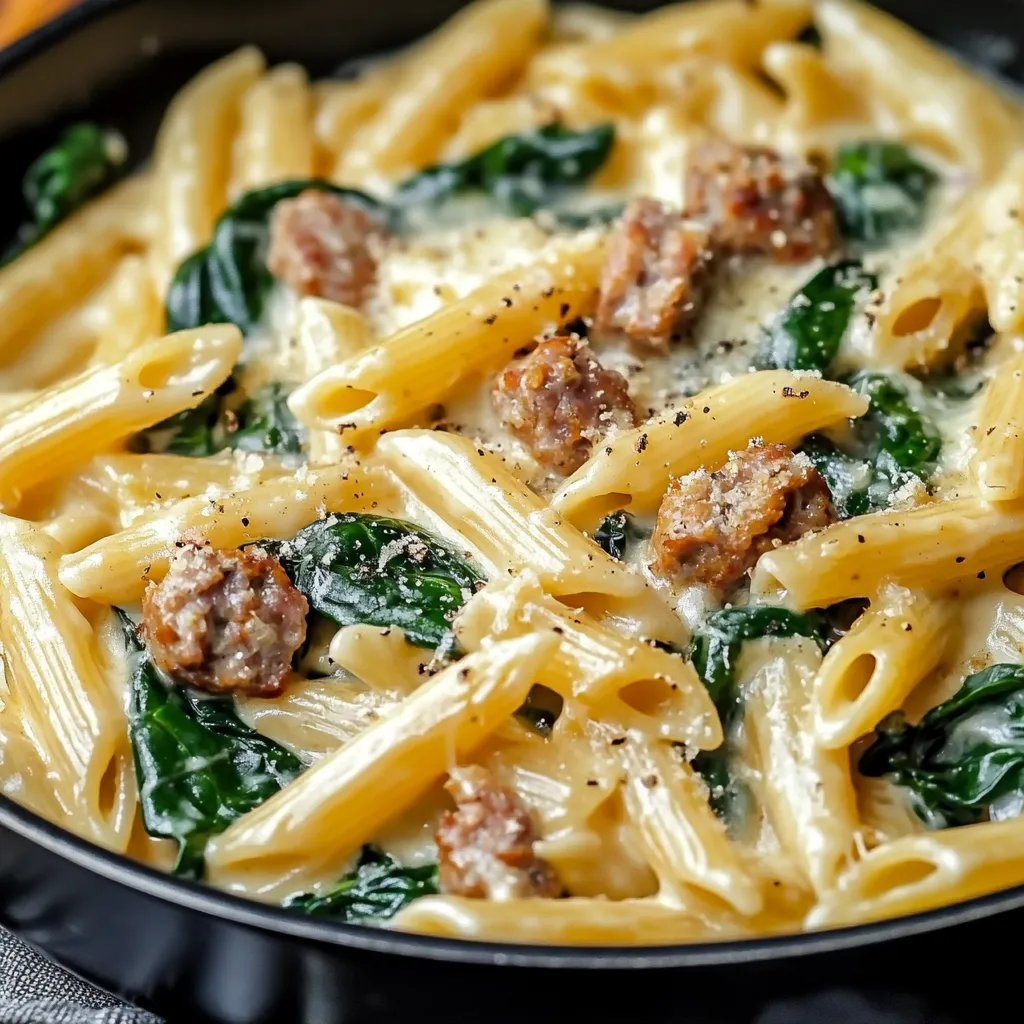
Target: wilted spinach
715, 652
520, 172
540, 710
377, 889
199, 767
809, 332
890, 445
262, 422
617, 533
228, 281
715, 649
385, 572
880, 189
84, 161
964, 761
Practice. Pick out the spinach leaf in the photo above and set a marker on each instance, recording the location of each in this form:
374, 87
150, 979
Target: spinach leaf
199, 767
385, 572
228, 281
84, 161
617, 532
809, 331
262, 422
886, 448
521, 172
715, 651
880, 189
190, 302
964, 761
376, 890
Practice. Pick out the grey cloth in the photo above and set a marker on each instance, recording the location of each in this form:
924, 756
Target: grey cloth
35, 991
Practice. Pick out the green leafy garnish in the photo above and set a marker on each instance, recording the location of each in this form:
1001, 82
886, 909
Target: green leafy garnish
964, 761
262, 422
617, 533
84, 161
715, 649
385, 572
880, 189
199, 767
809, 332
892, 444
715, 652
520, 172
376, 890
228, 281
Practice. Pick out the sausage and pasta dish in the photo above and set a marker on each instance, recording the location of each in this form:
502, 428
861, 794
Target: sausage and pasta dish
562, 483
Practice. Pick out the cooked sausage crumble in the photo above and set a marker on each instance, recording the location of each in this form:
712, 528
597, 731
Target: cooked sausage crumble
321, 245
656, 275
559, 401
485, 845
225, 621
712, 527
756, 201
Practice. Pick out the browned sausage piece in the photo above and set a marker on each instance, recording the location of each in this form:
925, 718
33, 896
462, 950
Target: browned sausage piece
712, 527
485, 846
756, 201
656, 274
321, 245
225, 620
559, 400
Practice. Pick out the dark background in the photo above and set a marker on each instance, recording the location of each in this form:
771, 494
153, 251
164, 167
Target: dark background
122, 61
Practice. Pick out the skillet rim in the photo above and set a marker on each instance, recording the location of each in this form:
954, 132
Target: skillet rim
205, 900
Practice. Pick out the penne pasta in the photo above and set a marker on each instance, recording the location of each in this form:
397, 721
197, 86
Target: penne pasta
84, 415
117, 569
635, 469
332, 809
388, 384
68, 713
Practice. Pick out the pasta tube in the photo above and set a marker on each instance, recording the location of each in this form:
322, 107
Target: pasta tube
117, 569
86, 414
69, 712
388, 384
873, 668
335, 806
926, 546
634, 470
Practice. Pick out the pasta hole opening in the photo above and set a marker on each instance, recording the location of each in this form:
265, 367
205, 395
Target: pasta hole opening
334, 403
1013, 579
902, 875
857, 678
157, 373
918, 316
109, 792
541, 710
647, 696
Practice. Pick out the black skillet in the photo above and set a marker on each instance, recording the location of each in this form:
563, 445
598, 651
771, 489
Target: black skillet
195, 955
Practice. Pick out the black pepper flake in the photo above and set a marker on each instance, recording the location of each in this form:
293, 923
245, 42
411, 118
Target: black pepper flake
650, 781
491, 319
593, 782
981, 575
480, 451
618, 741
680, 418
961, 558
707, 408
547, 293
563, 309
907, 627
506, 302
245, 520
641, 444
